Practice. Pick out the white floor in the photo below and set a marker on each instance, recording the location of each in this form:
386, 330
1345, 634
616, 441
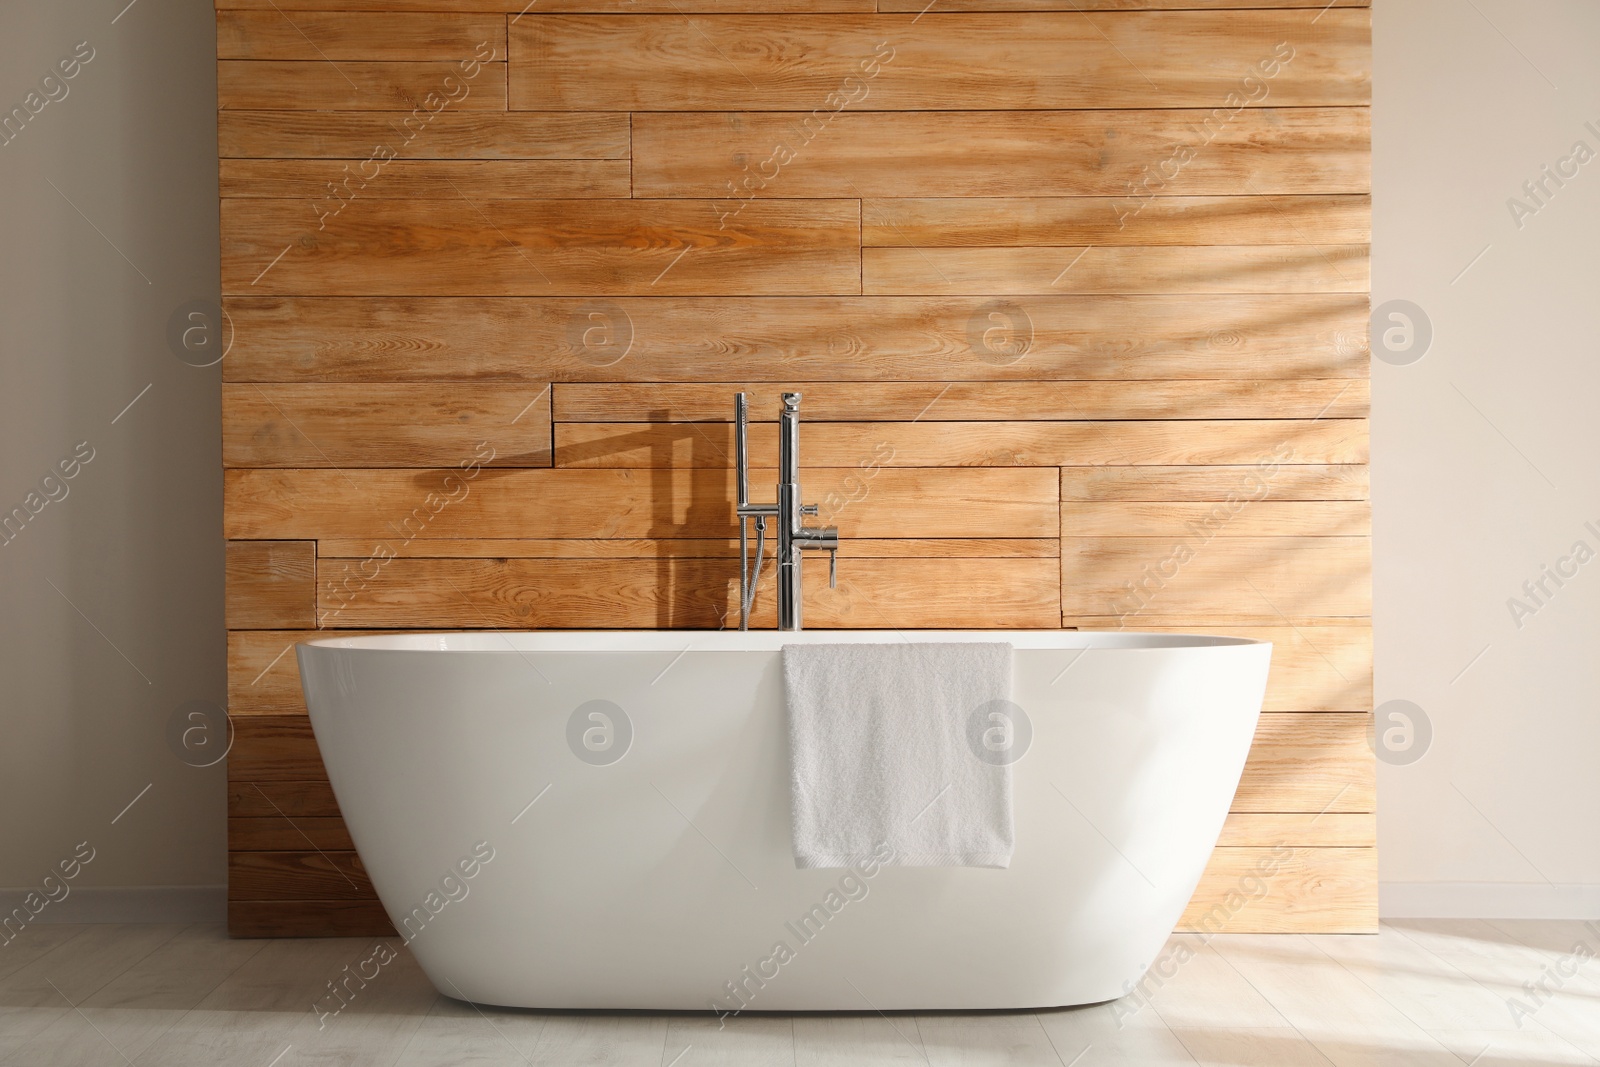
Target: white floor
1444, 992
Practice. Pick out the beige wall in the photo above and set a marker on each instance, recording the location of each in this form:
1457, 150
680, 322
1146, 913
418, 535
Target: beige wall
136, 544
1484, 454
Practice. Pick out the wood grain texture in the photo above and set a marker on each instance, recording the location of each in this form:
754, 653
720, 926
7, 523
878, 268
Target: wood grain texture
310, 799
263, 673
378, 36
277, 833
402, 179
693, 548
622, 7
998, 61
272, 749
623, 402
1246, 515
799, 338
1286, 890
302, 874
555, 247
960, 444
1019, 222
1056, 266
691, 594
385, 426
1300, 830
1278, 481
1309, 763
1259, 151
978, 502
270, 584
1093, 270
1243, 578
1069, 5
308, 918
317, 85
446, 134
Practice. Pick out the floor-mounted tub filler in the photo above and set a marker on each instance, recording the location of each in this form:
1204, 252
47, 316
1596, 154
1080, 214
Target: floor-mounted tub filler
601, 820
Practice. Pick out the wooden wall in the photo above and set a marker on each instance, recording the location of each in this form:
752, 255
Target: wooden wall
1079, 285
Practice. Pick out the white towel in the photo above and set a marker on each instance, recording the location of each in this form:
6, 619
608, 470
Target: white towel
880, 750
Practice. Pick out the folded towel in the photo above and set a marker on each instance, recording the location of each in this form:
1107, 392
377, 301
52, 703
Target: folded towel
880, 754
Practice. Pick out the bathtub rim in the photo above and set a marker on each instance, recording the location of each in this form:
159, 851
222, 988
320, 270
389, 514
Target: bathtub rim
634, 641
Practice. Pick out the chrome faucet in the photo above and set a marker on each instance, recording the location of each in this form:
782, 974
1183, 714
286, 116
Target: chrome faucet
794, 537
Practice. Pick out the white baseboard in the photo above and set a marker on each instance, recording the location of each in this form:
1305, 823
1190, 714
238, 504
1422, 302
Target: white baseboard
128, 904
1487, 900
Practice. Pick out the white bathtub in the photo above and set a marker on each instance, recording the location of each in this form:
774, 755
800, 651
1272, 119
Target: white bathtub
664, 879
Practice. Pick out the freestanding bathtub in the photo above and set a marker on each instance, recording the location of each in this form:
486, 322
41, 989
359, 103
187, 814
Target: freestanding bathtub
601, 820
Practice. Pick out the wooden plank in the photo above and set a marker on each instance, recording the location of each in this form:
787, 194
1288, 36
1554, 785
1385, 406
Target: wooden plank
263, 672
948, 444
308, 918
1019, 271
693, 594
296, 800
278, 833
1188, 483
1287, 890
317, 85
269, 749
627, 7
977, 61
1246, 516
1309, 763
1071, 5
798, 339
443, 135
401, 179
1247, 578
694, 548
270, 584
348, 35
1300, 830
977, 502
954, 222
553, 247
622, 402
297, 875
1261, 151
385, 425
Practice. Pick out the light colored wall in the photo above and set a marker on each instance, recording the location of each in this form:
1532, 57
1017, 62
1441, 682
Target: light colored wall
93, 668
1484, 455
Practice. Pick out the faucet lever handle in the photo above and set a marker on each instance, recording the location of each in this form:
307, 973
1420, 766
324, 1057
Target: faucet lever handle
833, 568
810, 509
